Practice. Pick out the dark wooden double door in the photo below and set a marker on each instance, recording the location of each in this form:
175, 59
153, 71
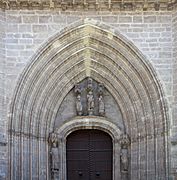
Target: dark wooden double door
89, 155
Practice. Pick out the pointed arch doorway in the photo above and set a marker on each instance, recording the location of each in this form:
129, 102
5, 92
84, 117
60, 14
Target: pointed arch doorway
88, 49
89, 155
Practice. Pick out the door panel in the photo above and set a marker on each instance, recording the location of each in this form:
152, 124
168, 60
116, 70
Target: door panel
89, 155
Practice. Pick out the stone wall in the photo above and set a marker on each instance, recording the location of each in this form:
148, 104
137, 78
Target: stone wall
26, 30
3, 115
175, 63
174, 114
151, 32
90, 48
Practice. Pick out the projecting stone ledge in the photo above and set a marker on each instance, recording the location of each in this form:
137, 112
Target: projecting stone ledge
110, 5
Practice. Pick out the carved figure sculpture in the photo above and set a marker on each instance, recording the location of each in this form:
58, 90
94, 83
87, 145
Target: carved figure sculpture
79, 105
124, 152
90, 102
54, 154
78, 100
124, 159
54, 157
101, 106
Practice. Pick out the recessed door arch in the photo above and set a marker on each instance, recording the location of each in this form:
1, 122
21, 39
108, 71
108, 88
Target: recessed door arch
89, 155
86, 123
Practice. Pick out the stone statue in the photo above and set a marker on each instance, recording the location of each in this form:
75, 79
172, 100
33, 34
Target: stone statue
54, 154
124, 159
124, 152
101, 105
54, 157
79, 105
78, 100
90, 103
90, 97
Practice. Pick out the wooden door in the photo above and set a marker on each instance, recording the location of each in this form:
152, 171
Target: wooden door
89, 155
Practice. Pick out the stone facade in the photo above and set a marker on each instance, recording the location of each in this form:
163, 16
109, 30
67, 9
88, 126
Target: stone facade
23, 32
3, 106
89, 48
151, 32
173, 134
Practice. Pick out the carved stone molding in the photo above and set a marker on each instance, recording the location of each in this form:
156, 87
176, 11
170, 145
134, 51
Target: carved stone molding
136, 89
110, 5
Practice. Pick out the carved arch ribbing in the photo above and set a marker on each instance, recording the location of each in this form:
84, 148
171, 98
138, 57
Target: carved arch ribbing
91, 49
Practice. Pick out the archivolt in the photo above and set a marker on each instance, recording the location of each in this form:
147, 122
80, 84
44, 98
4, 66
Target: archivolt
91, 49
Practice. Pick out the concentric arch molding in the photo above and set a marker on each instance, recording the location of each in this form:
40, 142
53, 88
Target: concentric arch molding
89, 122
90, 48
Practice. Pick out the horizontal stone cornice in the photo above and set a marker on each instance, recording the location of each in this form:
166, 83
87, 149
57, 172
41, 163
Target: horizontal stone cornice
86, 5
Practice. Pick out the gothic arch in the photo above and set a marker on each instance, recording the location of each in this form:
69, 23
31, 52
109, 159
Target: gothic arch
89, 49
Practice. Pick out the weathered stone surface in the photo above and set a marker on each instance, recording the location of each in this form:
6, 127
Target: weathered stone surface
22, 32
93, 52
30, 19
126, 5
67, 109
174, 102
3, 105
